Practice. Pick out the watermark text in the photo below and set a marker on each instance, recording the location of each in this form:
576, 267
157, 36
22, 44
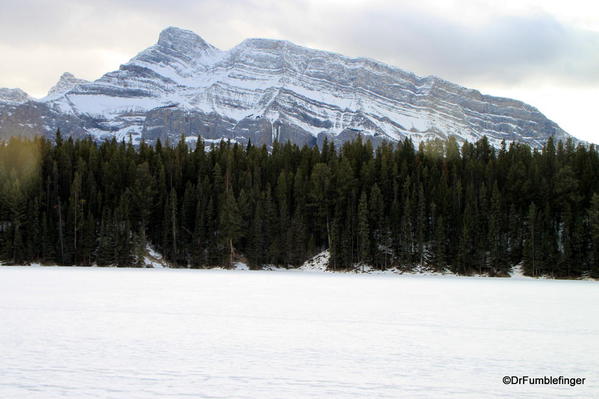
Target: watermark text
545, 380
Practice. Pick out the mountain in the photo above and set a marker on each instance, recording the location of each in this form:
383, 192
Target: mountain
13, 96
265, 90
66, 83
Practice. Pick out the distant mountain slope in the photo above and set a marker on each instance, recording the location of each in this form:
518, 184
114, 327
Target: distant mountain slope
13, 96
265, 90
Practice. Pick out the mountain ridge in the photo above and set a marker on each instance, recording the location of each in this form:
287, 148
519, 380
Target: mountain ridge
263, 90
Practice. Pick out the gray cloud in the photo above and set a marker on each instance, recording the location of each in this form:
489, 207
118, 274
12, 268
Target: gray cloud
505, 50
508, 49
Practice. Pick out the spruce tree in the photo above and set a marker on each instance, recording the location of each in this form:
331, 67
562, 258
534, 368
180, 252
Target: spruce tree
594, 224
532, 252
497, 244
439, 245
363, 231
230, 225
106, 248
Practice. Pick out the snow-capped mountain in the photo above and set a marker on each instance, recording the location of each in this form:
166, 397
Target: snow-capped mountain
265, 90
66, 83
13, 96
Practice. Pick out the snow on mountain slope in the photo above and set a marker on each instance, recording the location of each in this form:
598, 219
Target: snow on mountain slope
13, 96
66, 83
265, 90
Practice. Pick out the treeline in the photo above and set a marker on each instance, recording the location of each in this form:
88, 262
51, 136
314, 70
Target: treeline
469, 209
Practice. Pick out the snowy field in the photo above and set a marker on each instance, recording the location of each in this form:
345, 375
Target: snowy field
135, 333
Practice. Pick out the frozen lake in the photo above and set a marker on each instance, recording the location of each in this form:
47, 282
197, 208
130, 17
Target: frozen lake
127, 333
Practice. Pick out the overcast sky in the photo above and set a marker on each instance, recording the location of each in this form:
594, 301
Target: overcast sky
543, 52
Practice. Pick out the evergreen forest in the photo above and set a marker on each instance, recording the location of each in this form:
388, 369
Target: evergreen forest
466, 208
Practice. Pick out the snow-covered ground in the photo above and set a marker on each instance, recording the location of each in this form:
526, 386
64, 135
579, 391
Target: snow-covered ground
158, 333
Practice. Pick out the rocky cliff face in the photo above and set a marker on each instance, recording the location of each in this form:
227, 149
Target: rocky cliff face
266, 90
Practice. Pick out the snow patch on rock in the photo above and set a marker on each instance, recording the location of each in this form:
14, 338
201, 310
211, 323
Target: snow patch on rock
318, 263
240, 266
154, 259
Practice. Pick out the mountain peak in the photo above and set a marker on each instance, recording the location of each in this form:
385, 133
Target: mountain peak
13, 96
182, 40
66, 82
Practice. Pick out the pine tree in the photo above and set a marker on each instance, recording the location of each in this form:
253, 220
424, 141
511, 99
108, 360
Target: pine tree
106, 249
549, 245
87, 241
496, 237
420, 224
257, 237
395, 224
297, 239
74, 220
515, 238
439, 245
532, 253
363, 231
125, 247
594, 222
244, 203
230, 225
406, 227
318, 202
14, 210
170, 226
465, 259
